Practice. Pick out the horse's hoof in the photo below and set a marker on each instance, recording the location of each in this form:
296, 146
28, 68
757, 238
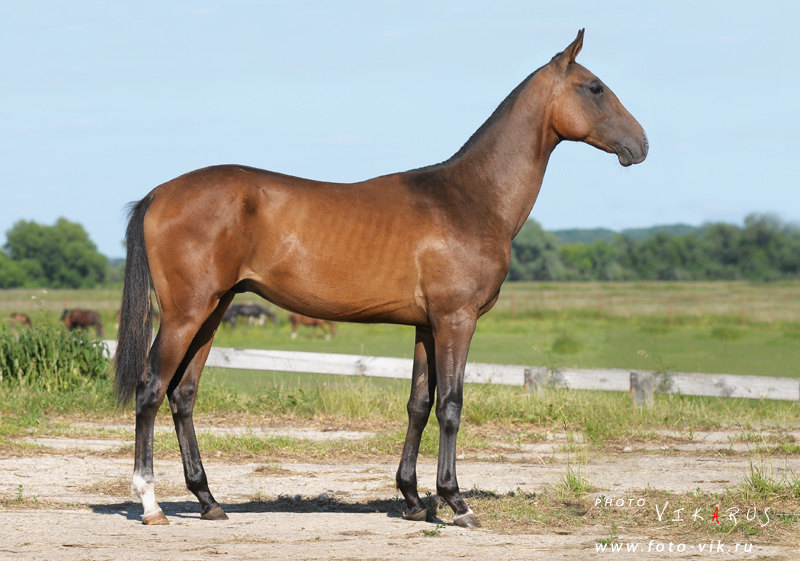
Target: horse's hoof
155, 519
466, 520
415, 515
215, 513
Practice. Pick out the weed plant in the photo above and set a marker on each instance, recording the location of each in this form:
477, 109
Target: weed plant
50, 358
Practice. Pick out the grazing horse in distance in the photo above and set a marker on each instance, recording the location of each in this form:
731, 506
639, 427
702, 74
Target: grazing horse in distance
429, 248
297, 320
21, 319
82, 319
253, 312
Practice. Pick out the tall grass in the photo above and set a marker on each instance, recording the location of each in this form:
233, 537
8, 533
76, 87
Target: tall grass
49, 358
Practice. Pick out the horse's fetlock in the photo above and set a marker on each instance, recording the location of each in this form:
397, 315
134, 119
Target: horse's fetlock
449, 416
406, 479
447, 489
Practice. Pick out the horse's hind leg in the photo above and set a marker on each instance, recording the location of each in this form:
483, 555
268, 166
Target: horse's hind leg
182, 393
166, 360
423, 388
149, 396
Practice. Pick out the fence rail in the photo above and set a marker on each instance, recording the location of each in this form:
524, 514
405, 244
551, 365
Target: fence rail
642, 385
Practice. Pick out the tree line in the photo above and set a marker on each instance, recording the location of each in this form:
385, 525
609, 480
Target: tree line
763, 249
57, 256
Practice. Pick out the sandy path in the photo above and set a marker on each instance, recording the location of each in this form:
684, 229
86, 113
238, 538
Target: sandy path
296, 510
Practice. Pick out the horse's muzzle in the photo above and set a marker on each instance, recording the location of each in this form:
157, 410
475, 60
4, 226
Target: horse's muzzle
633, 152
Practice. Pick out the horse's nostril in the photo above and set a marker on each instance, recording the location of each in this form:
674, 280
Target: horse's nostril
645, 146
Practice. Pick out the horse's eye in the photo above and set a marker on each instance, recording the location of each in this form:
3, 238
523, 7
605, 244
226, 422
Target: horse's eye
596, 89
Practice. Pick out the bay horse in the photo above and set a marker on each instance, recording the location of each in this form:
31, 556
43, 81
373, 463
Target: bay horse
429, 248
82, 319
297, 320
18, 318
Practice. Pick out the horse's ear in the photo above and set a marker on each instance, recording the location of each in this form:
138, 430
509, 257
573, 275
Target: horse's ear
568, 56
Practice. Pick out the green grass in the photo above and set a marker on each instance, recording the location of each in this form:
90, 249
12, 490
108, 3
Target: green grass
572, 340
599, 415
736, 328
507, 413
725, 327
572, 485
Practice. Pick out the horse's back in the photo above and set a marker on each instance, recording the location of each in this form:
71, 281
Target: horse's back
327, 249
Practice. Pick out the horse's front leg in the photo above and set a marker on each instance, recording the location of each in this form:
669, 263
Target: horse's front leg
423, 389
452, 336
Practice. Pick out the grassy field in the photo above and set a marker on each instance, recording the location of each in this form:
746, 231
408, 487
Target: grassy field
706, 327
726, 327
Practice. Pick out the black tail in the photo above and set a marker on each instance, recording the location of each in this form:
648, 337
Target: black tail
136, 315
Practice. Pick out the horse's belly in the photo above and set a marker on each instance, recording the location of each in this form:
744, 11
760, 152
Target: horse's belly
342, 297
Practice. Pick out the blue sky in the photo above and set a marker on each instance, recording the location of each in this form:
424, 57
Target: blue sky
102, 101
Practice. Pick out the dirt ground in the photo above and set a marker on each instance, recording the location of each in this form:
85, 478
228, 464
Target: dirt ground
71, 500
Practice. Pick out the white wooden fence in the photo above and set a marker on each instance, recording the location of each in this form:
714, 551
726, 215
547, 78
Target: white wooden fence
641, 384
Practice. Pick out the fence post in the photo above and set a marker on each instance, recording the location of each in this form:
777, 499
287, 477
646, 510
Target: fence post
538, 378
643, 387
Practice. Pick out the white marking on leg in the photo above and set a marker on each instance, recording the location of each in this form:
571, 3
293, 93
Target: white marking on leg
146, 492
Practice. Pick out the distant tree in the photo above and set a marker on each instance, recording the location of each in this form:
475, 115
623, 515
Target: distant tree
598, 260
534, 255
721, 243
58, 256
768, 249
12, 273
764, 249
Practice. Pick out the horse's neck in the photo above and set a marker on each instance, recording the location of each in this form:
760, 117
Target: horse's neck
504, 168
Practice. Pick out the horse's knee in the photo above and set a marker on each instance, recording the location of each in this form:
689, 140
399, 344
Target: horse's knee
447, 487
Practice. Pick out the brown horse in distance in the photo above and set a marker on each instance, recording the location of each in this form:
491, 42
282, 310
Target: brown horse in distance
297, 320
18, 318
82, 319
428, 248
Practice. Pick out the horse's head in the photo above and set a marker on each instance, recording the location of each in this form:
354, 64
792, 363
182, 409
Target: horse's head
584, 109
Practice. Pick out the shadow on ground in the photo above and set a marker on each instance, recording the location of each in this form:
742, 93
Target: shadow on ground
393, 508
